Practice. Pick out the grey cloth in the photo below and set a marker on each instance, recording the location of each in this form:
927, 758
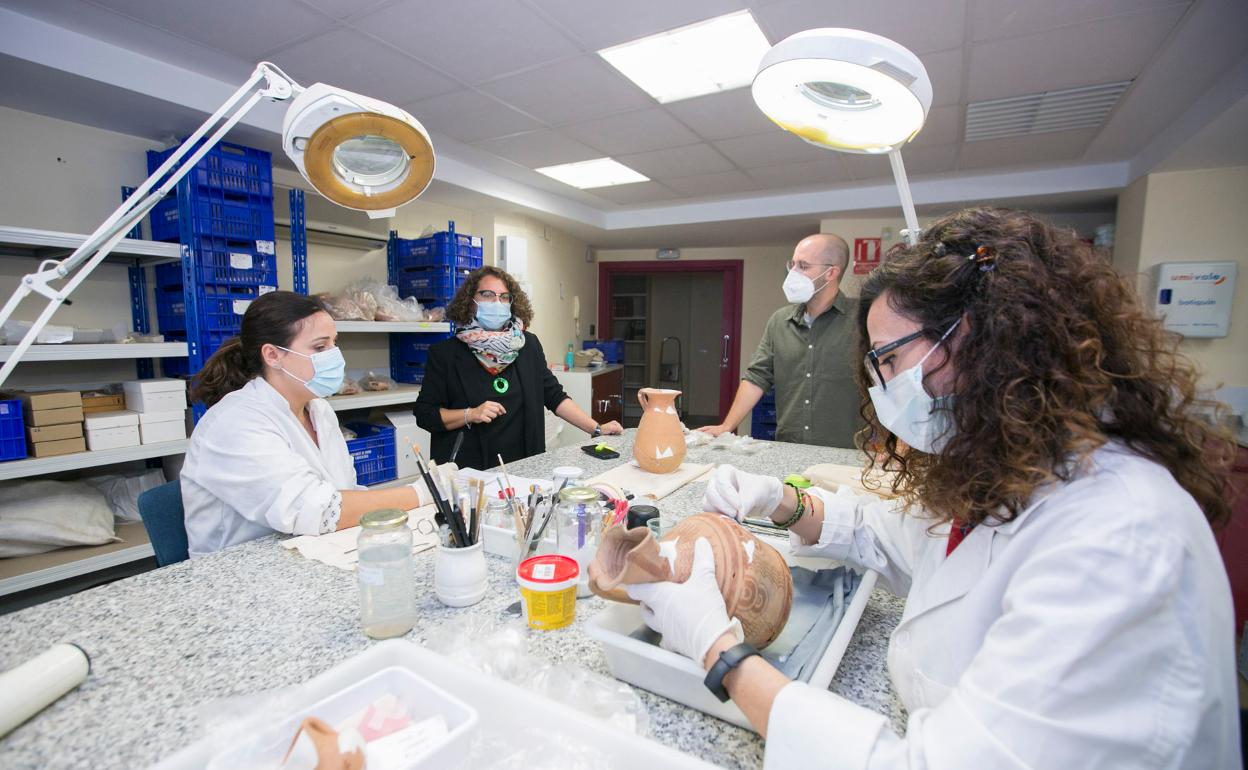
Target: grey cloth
812, 371
819, 602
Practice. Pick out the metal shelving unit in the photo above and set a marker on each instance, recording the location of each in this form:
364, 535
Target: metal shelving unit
25, 572
403, 394
388, 327
39, 466
111, 351
50, 244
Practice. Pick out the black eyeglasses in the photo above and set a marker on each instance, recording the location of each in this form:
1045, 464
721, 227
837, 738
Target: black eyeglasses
872, 360
490, 296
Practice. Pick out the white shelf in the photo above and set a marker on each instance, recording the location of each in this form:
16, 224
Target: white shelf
403, 394
71, 352
37, 466
23, 572
392, 326
49, 244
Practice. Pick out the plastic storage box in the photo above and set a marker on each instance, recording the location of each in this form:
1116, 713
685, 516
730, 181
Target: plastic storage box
433, 283
12, 430
447, 248
414, 348
373, 452
612, 350
228, 167
224, 261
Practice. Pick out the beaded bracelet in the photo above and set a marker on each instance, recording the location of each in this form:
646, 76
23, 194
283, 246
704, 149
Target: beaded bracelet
801, 509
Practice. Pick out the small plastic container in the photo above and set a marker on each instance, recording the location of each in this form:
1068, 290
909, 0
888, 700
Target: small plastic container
548, 590
459, 575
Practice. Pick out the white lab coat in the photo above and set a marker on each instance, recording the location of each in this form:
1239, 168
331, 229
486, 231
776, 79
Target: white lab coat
1094, 630
252, 470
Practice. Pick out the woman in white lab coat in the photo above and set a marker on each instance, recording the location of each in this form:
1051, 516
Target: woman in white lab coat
1066, 605
268, 456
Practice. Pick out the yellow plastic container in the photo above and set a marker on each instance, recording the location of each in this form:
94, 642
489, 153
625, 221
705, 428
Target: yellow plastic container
548, 590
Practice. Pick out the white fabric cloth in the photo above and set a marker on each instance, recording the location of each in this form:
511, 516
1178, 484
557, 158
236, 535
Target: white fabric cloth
40, 515
252, 470
1094, 630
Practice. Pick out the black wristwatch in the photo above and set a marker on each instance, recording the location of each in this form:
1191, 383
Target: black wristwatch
728, 660
597, 431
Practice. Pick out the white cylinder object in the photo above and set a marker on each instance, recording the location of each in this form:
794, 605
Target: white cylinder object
460, 577
27, 689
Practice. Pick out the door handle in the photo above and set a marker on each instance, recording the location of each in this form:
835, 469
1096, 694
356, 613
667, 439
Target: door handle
723, 360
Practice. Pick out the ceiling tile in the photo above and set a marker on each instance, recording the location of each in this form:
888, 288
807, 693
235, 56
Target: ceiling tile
603, 23
473, 40
539, 148
570, 91
771, 148
1099, 52
639, 192
353, 61
631, 132
919, 26
819, 173
918, 161
1026, 150
723, 183
1010, 18
943, 126
677, 162
945, 71
722, 115
469, 116
243, 28
342, 9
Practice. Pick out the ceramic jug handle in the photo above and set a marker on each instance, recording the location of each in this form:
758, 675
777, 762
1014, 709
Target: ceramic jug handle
644, 398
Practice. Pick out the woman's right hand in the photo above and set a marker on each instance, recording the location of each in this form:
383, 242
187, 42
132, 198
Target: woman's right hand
486, 412
739, 494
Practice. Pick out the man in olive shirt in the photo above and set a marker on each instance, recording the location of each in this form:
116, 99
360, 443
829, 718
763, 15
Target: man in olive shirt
805, 353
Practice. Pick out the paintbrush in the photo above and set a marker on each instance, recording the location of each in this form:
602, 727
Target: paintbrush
444, 507
459, 441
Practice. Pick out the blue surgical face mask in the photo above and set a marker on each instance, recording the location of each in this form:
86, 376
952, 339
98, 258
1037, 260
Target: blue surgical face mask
914, 416
328, 371
493, 315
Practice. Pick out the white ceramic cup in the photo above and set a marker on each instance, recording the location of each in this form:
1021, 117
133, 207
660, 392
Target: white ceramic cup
459, 575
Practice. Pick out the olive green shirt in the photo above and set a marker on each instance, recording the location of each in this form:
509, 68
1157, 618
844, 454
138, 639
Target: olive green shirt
811, 371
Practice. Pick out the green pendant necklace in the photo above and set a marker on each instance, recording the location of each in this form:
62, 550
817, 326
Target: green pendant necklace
501, 385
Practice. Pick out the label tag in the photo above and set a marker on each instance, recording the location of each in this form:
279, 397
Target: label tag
266, 289
241, 305
240, 261
544, 572
369, 575
265, 247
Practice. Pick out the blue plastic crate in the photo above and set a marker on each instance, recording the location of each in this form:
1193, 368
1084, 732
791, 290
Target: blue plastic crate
221, 308
447, 248
372, 451
414, 348
12, 430
226, 262
429, 282
408, 372
220, 216
612, 350
209, 342
763, 432
228, 167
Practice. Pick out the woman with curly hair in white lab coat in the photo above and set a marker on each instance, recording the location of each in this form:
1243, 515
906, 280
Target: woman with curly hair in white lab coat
1050, 527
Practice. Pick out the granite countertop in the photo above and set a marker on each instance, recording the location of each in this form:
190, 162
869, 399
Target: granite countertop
257, 617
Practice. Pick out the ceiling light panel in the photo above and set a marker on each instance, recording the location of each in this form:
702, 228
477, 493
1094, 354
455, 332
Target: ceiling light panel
719, 54
588, 174
1064, 110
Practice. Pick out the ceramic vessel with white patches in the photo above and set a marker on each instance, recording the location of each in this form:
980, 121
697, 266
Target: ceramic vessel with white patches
659, 446
753, 577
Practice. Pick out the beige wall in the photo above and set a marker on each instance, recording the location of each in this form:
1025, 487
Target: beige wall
1185, 216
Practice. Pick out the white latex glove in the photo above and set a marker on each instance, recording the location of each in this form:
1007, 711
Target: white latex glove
691, 615
739, 494
445, 475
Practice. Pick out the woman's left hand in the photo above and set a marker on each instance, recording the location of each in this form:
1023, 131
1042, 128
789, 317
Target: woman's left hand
612, 428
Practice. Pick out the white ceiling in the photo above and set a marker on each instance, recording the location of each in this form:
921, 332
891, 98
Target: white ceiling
510, 85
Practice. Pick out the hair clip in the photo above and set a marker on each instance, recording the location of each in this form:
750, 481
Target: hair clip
985, 257
939, 249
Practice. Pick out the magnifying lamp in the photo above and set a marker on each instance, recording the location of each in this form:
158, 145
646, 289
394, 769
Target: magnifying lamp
358, 152
850, 91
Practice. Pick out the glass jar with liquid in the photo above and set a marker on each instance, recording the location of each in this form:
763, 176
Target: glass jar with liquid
579, 521
386, 574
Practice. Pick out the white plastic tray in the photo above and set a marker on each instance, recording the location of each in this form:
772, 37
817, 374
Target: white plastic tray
680, 679
500, 706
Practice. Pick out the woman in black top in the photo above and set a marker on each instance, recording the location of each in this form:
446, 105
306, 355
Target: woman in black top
490, 381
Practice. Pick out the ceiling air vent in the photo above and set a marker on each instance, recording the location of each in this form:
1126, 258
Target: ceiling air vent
1041, 113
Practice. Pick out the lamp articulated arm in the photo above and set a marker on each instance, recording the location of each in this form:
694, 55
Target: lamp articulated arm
266, 82
912, 231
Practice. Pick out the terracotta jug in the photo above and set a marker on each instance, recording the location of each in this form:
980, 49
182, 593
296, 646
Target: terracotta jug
753, 577
659, 446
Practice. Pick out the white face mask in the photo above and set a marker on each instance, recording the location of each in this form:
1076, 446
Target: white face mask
799, 288
907, 410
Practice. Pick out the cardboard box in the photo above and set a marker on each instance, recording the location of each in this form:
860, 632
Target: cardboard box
113, 438
146, 418
97, 402
42, 417
54, 432
158, 395
62, 399
104, 420
158, 432
53, 448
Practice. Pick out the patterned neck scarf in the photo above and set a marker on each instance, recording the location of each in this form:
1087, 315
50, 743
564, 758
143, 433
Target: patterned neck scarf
495, 350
